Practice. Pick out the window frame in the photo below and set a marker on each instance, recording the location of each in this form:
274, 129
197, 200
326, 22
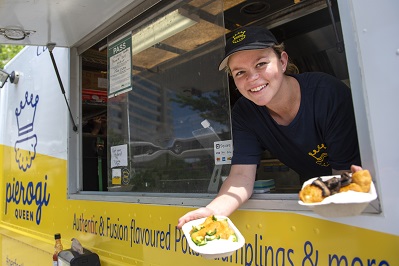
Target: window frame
263, 202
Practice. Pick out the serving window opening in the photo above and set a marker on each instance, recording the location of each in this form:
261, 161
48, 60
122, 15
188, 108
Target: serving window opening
157, 134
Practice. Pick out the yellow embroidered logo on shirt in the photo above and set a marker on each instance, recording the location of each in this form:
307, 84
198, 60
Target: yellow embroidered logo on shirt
320, 155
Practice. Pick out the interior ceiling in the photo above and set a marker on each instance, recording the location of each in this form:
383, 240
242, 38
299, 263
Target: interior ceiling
237, 13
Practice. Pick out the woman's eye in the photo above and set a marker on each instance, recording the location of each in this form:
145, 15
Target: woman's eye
239, 73
260, 64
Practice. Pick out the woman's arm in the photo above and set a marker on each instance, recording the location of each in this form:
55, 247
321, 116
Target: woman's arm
235, 190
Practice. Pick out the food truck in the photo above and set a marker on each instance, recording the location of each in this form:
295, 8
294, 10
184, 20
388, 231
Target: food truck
115, 122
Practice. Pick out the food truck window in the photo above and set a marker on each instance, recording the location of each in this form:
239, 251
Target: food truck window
154, 103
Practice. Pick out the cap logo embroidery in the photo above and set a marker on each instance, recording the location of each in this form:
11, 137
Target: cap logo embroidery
239, 36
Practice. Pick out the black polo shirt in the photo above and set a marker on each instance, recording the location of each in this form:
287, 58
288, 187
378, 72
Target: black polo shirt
322, 136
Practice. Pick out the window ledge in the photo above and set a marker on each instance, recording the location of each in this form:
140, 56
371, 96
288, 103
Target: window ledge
266, 202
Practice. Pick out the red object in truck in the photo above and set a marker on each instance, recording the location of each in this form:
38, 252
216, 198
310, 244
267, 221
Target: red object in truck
94, 96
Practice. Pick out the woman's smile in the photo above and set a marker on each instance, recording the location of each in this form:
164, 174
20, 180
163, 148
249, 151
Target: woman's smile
259, 88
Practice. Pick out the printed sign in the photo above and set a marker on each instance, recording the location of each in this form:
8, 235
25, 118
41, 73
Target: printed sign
223, 152
120, 65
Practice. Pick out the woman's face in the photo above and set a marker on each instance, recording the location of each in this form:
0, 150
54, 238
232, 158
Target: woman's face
258, 74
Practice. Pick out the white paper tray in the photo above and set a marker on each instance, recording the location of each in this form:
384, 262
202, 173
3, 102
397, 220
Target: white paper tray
215, 248
342, 204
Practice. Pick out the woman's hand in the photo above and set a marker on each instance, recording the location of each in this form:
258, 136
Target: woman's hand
193, 215
355, 168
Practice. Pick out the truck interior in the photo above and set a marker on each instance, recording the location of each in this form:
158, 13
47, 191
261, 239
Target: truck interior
174, 88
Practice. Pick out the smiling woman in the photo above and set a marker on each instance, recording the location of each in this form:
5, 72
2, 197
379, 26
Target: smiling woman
289, 105
299, 118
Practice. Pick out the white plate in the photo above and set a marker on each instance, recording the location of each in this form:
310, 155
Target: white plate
215, 248
342, 204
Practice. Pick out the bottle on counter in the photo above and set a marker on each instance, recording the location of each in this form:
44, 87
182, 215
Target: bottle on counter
57, 248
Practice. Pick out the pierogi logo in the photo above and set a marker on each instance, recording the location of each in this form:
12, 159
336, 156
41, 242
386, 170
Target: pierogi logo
26, 193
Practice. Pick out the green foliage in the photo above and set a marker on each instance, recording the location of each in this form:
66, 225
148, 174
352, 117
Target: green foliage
7, 52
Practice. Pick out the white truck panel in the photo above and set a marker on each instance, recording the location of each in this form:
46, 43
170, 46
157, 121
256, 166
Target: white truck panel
39, 81
372, 48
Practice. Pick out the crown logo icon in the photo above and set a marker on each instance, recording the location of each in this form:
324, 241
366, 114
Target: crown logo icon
25, 114
25, 146
319, 155
239, 36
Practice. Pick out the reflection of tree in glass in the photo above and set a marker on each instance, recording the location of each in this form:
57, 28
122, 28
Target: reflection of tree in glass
212, 105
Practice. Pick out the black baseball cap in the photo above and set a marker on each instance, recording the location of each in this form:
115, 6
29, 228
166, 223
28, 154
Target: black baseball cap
247, 38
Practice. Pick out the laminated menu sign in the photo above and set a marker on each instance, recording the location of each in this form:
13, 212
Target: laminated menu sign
120, 65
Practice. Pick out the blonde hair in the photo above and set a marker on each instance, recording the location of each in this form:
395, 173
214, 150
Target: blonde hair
278, 49
291, 67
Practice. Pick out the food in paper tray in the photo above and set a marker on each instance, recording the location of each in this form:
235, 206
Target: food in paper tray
212, 229
340, 195
320, 189
211, 243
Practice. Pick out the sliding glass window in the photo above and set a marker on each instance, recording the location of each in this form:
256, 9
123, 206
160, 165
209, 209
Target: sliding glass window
155, 130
